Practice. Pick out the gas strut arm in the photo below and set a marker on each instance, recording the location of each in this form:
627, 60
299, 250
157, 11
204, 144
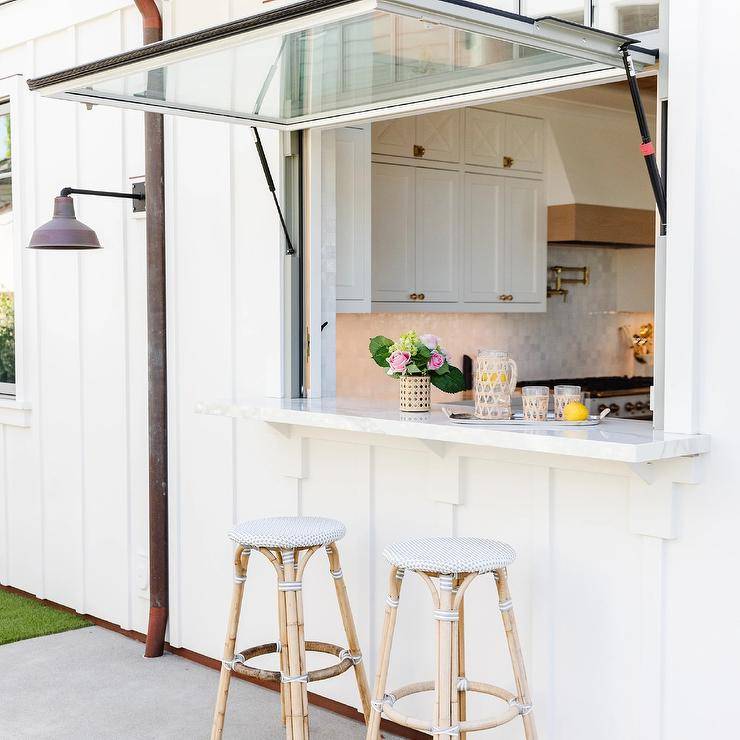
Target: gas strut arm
647, 147
289, 249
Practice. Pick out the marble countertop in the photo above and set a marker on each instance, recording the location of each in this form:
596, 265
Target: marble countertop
622, 440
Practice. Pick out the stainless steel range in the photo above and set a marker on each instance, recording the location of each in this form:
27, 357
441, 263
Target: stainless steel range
628, 398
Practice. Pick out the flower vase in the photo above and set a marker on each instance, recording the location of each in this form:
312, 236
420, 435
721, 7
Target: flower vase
415, 393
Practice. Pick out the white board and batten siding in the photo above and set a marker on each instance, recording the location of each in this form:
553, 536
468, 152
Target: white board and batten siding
607, 606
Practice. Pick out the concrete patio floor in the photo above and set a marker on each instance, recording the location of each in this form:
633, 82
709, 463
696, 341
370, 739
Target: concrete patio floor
94, 684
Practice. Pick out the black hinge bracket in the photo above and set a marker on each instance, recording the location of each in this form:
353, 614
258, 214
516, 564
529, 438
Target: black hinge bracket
647, 148
289, 249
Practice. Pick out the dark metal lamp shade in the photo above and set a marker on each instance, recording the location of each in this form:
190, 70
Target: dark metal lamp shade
64, 231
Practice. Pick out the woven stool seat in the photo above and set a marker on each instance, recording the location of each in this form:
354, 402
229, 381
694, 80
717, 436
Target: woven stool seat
288, 532
450, 555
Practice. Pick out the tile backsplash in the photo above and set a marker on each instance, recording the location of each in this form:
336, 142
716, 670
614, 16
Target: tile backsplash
579, 337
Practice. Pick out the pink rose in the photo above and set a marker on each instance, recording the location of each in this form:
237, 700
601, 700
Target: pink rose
436, 361
398, 361
430, 341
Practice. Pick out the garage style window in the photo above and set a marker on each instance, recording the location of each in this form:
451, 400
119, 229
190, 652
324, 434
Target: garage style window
324, 62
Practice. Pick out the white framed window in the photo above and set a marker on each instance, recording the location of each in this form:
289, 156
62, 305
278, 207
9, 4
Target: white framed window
626, 17
7, 256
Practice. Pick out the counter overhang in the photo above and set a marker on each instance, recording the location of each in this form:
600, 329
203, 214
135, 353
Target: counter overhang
617, 440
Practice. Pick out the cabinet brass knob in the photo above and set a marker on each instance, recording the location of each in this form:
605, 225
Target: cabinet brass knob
508, 162
509, 297
421, 296
413, 296
419, 150
503, 297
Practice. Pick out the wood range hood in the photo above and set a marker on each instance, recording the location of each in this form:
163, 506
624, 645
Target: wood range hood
584, 225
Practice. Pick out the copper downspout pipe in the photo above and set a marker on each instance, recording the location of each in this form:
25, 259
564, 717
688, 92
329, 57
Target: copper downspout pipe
159, 596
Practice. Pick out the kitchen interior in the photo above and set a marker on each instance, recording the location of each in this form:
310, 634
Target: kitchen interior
526, 226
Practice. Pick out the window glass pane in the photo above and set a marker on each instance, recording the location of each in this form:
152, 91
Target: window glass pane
627, 17
4, 139
7, 321
365, 62
568, 10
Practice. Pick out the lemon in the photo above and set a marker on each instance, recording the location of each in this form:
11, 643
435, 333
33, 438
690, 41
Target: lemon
575, 411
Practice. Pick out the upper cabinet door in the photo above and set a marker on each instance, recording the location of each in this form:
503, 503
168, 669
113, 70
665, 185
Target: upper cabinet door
524, 144
396, 137
484, 240
438, 136
484, 137
526, 240
352, 197
437, 234
393, 229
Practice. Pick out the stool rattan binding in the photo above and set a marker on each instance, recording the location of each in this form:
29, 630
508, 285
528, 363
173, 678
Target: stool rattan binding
448, 566
289, 543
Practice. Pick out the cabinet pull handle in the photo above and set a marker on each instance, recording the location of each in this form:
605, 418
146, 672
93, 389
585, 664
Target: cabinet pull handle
508, 162
421, 296
413, 296
419, 150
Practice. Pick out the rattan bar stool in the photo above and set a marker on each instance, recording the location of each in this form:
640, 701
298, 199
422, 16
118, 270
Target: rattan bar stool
448, 566
288, 543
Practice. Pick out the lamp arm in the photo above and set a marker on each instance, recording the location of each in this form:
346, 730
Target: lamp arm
77, 191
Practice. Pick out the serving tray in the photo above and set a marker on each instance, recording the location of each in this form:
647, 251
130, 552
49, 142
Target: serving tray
463, 415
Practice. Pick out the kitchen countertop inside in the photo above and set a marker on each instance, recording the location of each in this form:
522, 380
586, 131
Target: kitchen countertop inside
621, 440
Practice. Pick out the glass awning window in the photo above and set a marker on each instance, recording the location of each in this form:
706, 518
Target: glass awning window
325, 62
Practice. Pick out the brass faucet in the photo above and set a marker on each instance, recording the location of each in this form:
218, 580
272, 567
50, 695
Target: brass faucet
557, 288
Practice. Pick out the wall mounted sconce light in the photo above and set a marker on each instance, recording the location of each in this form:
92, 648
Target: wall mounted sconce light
64, 231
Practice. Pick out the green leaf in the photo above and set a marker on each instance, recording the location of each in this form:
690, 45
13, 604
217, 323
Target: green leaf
412, 369
423, 352
449, 382
380, 350
444, 369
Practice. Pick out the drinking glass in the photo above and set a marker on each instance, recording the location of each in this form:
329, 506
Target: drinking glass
534, 402
564, 394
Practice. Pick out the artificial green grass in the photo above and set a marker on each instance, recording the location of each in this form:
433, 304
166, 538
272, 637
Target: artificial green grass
21, 618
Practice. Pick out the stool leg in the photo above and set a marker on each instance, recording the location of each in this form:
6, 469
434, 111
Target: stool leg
241, 561
381, 677
462, 696
297, 713
353, 642
515, 650
283, 632
445, 689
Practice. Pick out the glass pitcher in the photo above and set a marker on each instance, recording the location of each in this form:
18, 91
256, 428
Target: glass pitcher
495, 381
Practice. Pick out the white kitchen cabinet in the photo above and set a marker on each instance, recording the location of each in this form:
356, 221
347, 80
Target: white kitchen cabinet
394, 232
526, 245
438, 134
505, 141
395, 137
504, 241
429, 137
352, 221
484, 137
524, 143
437, 234
484, 253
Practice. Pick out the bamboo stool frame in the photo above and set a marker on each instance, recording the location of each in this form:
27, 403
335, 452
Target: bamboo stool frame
450, 685
292, 646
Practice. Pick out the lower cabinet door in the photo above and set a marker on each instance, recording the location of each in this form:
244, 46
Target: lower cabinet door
526, 245
484, 244
393, 232
437, 234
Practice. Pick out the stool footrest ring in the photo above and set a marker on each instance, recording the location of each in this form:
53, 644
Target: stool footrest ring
347, 660
513, 710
